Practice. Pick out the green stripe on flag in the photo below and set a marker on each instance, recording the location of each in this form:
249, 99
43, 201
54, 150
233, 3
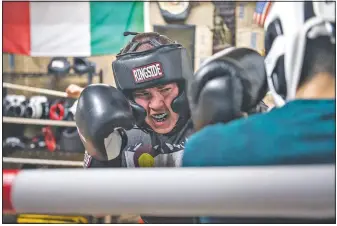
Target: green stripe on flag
108, 21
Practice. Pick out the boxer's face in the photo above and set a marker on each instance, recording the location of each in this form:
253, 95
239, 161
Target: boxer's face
157, 103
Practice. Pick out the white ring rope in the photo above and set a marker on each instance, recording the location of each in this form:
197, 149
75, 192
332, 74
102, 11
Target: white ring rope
279, 191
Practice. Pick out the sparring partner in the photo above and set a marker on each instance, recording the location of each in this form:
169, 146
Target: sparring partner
146, 120
300, 70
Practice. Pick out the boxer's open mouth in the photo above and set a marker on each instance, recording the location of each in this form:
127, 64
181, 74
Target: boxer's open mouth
160, 117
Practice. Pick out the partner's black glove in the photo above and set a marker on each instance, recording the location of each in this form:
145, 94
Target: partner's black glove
231, 82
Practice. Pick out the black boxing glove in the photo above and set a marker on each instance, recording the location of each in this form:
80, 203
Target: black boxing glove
231, 82
101, 114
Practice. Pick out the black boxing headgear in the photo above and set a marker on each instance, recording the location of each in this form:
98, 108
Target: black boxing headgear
160, 65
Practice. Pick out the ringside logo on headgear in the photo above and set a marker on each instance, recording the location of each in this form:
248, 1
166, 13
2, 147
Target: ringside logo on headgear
148, 72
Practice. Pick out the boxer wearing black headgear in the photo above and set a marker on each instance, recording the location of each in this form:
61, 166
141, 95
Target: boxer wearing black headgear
157, 65
145, 121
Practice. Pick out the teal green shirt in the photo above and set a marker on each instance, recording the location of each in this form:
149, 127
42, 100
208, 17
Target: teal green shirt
301, 132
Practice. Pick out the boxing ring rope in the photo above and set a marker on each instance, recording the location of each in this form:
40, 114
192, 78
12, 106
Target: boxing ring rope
280, 191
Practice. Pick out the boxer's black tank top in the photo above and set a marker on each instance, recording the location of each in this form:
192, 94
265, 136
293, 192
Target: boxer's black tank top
153, 150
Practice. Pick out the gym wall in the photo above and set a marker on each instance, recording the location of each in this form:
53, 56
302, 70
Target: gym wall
201, 15
248, 34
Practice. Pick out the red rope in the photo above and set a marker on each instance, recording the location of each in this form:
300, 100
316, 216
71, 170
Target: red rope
7, 183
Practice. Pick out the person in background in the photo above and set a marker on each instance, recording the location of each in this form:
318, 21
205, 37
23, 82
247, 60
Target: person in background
74, 91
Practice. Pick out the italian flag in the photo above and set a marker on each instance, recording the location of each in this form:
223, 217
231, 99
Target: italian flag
69, 28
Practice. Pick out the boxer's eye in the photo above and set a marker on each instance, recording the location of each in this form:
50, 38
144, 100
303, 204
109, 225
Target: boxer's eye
166, 90
142, 95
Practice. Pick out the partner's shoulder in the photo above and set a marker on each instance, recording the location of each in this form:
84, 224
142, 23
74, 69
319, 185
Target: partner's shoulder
229, 132
221, 144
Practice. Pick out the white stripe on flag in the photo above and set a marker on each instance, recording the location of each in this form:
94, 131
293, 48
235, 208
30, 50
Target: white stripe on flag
60, 28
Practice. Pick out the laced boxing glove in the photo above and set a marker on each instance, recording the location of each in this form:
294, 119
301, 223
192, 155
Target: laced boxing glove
229, 83
101, 111
59, 110
49, 138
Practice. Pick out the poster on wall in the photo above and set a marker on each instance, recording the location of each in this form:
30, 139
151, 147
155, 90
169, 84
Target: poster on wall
224, 25
69, 28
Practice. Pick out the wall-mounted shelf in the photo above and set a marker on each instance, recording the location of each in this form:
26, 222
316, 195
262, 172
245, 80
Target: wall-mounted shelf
45, 122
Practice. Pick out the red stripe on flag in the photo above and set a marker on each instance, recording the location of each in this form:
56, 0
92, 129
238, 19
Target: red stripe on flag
8, 177
16, 27
266, 13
